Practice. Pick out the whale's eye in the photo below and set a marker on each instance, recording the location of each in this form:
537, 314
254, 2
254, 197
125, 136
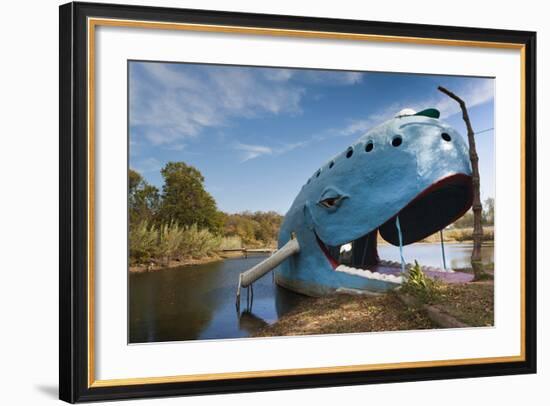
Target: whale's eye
329, 202
397, 140
369, 147
331, 198
446, 137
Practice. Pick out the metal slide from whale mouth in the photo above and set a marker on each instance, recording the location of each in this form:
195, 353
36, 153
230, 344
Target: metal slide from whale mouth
433, 209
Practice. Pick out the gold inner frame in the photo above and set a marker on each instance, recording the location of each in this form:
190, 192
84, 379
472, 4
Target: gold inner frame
94, 22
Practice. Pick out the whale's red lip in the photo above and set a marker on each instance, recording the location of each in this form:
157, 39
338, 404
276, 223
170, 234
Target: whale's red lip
433, 209
333, 262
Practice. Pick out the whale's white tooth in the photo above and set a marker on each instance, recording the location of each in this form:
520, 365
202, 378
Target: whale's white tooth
367, 274
359, 271
345, 248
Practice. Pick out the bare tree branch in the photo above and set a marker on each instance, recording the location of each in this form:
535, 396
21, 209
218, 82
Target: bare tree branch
477, 264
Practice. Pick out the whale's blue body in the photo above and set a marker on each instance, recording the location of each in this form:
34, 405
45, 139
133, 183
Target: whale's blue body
414, 166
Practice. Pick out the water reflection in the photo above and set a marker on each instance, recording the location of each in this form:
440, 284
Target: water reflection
198, 302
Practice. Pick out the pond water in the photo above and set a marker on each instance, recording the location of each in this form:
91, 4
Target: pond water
198, 302
429, 254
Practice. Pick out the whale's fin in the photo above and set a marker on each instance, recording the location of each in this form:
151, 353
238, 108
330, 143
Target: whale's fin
433, 113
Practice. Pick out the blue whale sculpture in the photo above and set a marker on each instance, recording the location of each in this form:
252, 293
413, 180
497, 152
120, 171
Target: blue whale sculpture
404, 179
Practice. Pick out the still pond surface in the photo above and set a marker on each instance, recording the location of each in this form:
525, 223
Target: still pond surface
198, 302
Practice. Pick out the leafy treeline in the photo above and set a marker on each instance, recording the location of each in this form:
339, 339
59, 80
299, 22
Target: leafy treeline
487, 216
254, 229
182, 221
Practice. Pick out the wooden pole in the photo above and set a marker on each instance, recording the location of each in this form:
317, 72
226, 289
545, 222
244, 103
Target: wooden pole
477, 264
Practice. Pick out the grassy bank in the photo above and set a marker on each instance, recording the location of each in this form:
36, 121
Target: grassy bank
176, 263
457, 235
461, 235
155, 266
470, 303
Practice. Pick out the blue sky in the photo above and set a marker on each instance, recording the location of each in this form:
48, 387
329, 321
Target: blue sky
257, 134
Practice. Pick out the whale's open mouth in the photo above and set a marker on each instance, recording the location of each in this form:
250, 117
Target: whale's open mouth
439, 205
432, 210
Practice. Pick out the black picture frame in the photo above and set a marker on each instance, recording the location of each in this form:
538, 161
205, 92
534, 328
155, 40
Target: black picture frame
74, 384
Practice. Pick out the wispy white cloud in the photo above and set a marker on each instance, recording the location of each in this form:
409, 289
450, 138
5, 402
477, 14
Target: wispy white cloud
330, 78
249, 151
360, 126
278, 75
171, 103
327, 78
291, 146
473, 95
352, 78
253, 151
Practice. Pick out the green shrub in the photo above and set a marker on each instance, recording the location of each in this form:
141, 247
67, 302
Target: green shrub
198, 243
169, 241
231, 242
143, 242
421, 286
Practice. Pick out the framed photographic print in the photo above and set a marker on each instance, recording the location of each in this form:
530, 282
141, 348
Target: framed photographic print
255, 202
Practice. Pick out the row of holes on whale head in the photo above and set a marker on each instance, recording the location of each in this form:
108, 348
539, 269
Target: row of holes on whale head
369, 146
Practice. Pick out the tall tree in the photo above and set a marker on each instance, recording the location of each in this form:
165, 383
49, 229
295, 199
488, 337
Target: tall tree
143, 199
185, 200
477, 264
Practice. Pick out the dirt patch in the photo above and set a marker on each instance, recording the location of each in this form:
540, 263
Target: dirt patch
347, 314
472, 303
